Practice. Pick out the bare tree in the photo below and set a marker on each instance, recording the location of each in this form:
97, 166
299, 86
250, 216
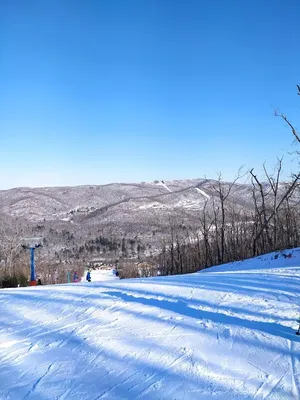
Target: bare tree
223, 191
10, 244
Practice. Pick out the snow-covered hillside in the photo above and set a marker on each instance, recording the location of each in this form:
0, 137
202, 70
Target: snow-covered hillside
224, 333
71, 219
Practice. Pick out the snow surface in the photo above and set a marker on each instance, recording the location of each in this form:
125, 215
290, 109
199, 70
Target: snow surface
99, 275
225, 333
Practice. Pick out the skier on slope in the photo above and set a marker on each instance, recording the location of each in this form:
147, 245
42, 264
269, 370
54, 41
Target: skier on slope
75, 278
88, 276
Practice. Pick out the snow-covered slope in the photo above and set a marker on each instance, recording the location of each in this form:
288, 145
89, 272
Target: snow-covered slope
224, 333
100, 275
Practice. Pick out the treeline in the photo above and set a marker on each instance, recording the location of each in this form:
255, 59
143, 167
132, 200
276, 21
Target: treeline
67, 258
225, 233
120, 247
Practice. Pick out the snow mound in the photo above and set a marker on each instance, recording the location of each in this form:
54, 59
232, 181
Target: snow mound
224, 333
275, 260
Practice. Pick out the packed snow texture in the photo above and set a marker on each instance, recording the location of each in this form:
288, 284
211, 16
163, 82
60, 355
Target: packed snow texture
224, 333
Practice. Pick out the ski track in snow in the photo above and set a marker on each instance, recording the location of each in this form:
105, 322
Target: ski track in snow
31, 391
295, 372
225, 333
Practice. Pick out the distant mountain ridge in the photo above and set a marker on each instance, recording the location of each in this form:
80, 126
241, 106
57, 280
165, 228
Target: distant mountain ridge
54, 203
69, 217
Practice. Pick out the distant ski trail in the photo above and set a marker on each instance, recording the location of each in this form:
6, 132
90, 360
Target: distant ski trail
203, 193
165, 186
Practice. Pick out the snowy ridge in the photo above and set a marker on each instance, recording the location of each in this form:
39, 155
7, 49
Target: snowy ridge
224, 333
69, 217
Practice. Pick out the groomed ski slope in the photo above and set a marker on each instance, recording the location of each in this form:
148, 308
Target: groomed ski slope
225, 333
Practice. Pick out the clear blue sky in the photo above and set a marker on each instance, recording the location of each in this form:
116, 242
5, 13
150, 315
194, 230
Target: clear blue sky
99, 91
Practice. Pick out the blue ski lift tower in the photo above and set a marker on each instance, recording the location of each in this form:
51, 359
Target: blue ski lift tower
32, 244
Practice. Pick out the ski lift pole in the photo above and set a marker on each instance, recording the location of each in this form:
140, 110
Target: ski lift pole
32, 267
32, 248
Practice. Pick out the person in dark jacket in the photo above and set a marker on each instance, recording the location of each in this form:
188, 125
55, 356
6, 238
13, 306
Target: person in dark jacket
88, 276
75, 277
